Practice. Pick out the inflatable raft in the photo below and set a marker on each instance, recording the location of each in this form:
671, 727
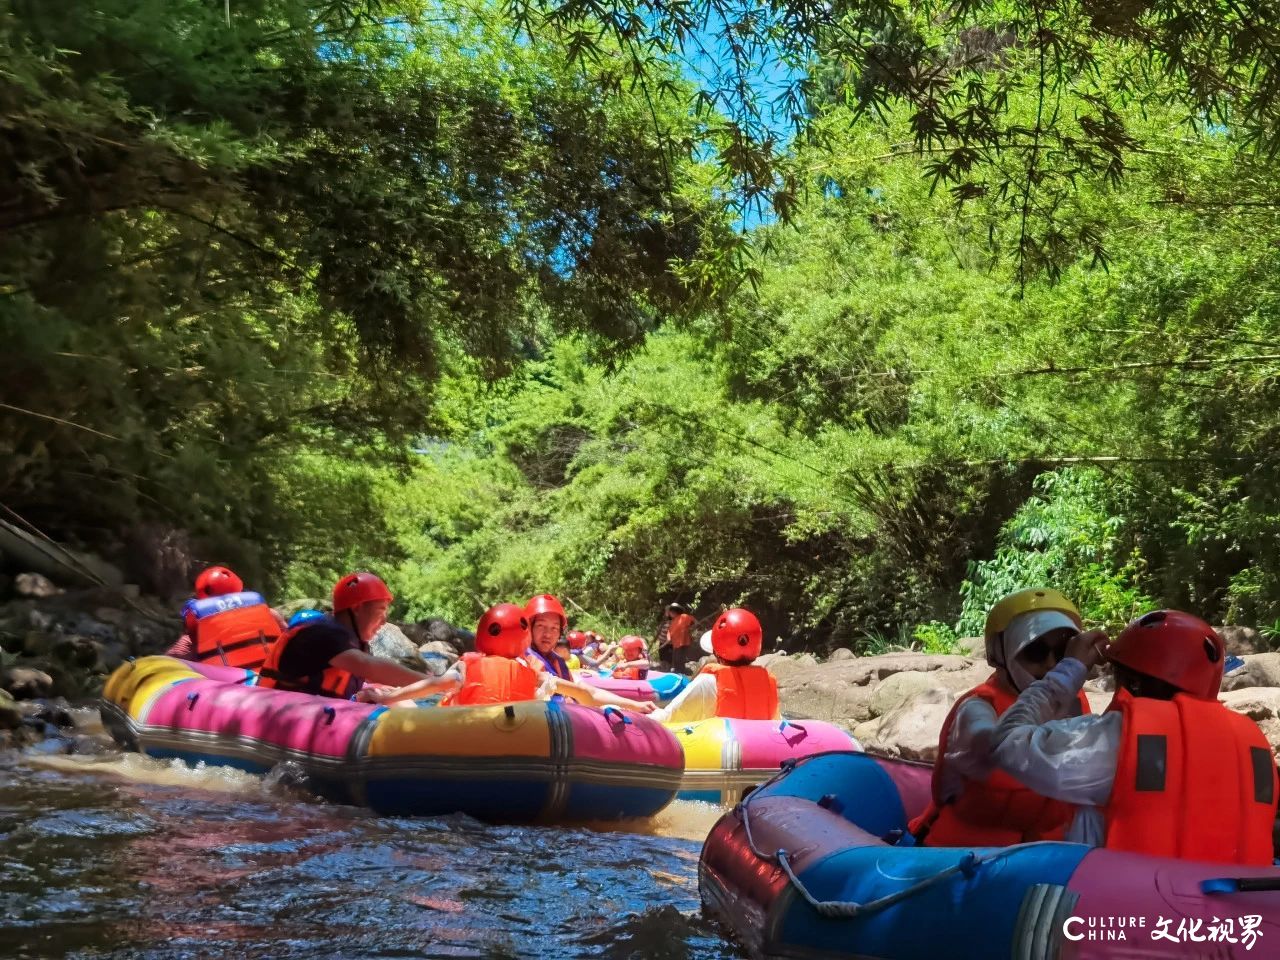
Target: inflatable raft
658, 687
724, 759
802, 869
533, 761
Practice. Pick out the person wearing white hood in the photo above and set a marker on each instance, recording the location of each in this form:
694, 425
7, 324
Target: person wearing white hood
975, 803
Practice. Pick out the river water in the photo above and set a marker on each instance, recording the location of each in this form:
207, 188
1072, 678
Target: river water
117, 855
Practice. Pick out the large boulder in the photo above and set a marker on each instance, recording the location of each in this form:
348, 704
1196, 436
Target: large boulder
26, 683
391, 643
439, 630
911, 727
841, 653
1262, 705
842, 691
1259, 670
1241, 640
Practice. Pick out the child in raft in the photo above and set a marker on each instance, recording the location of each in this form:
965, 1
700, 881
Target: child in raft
501, 671
973, 803
734, 686
633, 659
564, 650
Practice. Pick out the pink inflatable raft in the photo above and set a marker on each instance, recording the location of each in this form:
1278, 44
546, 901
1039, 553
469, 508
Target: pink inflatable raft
532, 761
657, 686
807, 867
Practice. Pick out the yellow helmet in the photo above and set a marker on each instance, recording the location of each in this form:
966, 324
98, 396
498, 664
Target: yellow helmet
1024, 601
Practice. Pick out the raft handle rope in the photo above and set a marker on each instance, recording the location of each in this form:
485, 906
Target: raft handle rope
191, 701
611, 712
329, 714
848, 909
1239, 884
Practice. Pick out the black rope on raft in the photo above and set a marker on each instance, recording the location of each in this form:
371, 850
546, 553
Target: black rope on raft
849, 909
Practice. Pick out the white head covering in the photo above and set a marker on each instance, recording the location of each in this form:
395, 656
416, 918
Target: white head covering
1025, 629
705, 642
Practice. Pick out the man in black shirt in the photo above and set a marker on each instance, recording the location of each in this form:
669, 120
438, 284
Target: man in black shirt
331, 656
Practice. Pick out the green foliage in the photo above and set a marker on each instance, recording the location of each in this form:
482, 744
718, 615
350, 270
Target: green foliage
230, 242
1012, 104
1071, 536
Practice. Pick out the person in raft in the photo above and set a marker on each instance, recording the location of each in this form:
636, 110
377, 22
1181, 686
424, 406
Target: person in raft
1166, 770
330, 656
564, 650
973, 803
634, 659
547, 624
734, 686
502, 670
224, 624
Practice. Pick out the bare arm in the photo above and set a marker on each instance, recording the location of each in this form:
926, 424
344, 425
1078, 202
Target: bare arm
376, 670
423, 688
601, 698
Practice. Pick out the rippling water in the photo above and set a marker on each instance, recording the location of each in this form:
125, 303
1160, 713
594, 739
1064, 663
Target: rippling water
121, 856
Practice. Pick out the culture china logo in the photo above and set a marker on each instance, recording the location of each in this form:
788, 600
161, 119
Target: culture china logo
1242, 930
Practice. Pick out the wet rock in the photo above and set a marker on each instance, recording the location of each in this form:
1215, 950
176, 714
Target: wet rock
10, 712
34, 585
26, 683
842, 653
79, 652
38, 643
56, 712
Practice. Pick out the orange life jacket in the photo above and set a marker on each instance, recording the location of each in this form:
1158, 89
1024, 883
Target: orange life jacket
997, 811
330, 682
1194, 780
240, 637
744, 693
494, 680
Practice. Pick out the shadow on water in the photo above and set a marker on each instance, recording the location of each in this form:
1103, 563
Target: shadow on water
120, 856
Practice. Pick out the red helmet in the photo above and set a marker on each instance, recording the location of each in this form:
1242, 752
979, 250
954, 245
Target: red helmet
577, 639
737, 635
545, 603
503, 631
357, 588
217, 582
1178, 648
633, 647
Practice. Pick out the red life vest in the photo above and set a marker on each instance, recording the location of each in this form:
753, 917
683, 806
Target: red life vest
744, 693
240, 637
1194, 780
330, 682
995, 812
494, 680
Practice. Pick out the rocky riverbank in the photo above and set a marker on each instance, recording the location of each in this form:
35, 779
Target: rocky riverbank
57, 646
895, 703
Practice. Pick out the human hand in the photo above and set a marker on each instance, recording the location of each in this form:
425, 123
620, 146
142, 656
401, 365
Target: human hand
373, 693
1090, 648
638, 706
